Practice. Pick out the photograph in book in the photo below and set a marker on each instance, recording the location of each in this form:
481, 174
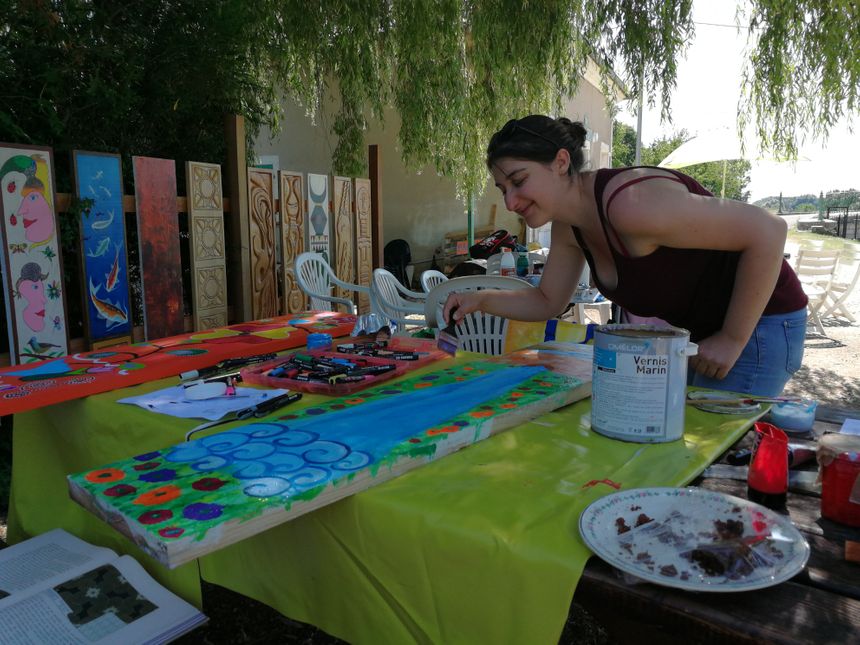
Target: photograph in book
56, 588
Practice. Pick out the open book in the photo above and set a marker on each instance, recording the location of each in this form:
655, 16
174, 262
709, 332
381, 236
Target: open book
56, 588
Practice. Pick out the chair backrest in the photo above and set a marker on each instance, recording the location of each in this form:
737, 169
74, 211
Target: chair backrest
478, 331
396, 255
848, 268
430, 278
494, 264
315, 277
816, 267
390, 298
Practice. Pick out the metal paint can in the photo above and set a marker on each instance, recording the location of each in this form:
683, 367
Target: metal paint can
639, 382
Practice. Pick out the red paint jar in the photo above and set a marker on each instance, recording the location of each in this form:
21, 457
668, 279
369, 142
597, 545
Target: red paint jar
839, 458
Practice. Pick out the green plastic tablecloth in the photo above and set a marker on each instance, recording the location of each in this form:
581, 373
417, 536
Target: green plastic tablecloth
481, 546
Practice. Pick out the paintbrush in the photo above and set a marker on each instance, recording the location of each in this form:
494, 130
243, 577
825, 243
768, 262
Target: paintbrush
447, 340
745, 401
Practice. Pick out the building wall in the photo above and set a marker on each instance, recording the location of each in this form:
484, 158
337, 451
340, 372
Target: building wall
420, 207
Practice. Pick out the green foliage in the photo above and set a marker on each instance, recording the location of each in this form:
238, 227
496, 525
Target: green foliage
803, 71
623, 144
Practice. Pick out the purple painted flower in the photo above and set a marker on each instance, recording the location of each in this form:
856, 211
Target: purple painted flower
147, 456
163, 475
202, 511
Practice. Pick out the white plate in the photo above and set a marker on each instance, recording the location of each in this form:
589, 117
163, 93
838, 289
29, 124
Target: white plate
677, 543
710, 402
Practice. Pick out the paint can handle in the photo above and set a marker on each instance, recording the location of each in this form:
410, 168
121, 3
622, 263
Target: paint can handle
691, 349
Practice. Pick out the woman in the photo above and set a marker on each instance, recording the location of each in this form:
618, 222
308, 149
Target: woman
658, 244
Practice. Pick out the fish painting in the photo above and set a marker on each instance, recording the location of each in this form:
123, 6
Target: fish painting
101, 249
112, 276
105, 309
103, 223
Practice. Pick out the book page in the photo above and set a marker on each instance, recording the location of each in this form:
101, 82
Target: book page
46, 560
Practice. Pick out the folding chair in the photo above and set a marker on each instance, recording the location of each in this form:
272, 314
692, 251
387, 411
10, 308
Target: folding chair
815, 268
842, 285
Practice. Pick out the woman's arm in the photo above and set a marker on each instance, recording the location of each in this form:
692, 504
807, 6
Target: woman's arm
558, 282
666, 214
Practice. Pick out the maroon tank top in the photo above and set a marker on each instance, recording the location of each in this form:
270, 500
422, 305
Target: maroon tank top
689, 288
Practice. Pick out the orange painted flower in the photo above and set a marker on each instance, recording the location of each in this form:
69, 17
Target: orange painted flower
508, 406
353, 401
158, 495
516, 395
104, 475
481, 414
443, 430
420, 385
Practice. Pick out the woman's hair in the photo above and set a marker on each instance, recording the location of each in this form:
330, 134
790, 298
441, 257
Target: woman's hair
538, 138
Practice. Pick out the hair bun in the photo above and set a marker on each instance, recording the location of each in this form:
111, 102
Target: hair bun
574, 129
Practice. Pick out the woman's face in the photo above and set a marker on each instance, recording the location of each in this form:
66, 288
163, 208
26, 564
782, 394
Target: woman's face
33, 291
531, 189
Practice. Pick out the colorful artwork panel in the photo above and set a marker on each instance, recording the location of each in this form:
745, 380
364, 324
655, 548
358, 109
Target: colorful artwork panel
206, 232
104, 254
183, 502
31, 267
26, 387
363, 241
344, 236
264, 286
319, 232
292, 238
158, 240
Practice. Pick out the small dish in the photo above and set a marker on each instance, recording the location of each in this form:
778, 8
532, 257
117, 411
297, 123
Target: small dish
710, 402
794, 416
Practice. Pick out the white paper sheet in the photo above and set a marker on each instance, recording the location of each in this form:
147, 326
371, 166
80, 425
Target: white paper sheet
172, 401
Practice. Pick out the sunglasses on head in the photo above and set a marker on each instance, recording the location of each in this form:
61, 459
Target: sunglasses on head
511, 126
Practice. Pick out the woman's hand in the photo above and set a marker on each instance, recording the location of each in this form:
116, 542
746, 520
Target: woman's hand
717, 355
460, 304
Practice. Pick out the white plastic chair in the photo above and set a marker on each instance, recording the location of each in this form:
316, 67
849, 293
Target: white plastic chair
494, 264
844, 280
478, 331
390, 298
430, 278
316, 279
815, 268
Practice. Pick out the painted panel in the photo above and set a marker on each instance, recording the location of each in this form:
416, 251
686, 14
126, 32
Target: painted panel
292, 238
206, 231
32, 267
344, 236
363, 241
27, 387
103, 247
158, 241
319, 233
205, 494
264, 286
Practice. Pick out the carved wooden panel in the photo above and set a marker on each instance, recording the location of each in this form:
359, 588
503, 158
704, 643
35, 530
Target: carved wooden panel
208, 259
31, 263
318, 216
363, 241
158, 240
264, 287
292, 238
344, 236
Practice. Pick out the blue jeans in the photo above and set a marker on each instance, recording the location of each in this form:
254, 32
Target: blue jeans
772, 355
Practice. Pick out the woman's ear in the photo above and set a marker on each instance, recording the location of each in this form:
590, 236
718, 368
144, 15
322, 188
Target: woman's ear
561, 163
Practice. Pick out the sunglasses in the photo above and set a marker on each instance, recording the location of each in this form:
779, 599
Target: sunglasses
511, 126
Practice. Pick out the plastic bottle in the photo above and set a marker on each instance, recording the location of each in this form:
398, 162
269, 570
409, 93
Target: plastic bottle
507, 266
522, 264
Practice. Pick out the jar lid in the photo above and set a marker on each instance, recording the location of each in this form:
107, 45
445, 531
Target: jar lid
836, 445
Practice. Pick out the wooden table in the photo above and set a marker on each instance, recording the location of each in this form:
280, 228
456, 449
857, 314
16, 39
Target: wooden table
819, 605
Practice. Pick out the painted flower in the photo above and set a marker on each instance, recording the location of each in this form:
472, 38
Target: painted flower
104, 475
147, 456
149, 465
158, 495
163, 475
171, 532
208, 483
155, 516
202, 511
119, 490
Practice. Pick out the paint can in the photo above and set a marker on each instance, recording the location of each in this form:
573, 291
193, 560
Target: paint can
639, 382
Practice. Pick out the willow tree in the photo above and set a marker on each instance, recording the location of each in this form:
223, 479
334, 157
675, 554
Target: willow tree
156, 77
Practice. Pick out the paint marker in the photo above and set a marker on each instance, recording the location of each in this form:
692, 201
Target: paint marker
371, 369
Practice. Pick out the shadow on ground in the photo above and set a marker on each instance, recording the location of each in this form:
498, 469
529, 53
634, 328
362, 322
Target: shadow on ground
826, 386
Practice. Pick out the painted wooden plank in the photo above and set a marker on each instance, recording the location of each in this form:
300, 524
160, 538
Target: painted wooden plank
293, 232
189, 500
264, 287
319, 229
158, 241
103, 248
344, 234
206, 232
32, 264
363, 241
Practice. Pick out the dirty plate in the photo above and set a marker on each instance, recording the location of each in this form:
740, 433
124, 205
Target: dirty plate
693, 539
710, 402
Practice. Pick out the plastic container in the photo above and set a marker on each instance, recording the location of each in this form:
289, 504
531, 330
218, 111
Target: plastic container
767, 481
839, 458
507, 264
794, 417
319, 341
522, 264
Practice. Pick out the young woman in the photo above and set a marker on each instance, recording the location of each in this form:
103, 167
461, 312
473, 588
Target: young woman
658, 244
